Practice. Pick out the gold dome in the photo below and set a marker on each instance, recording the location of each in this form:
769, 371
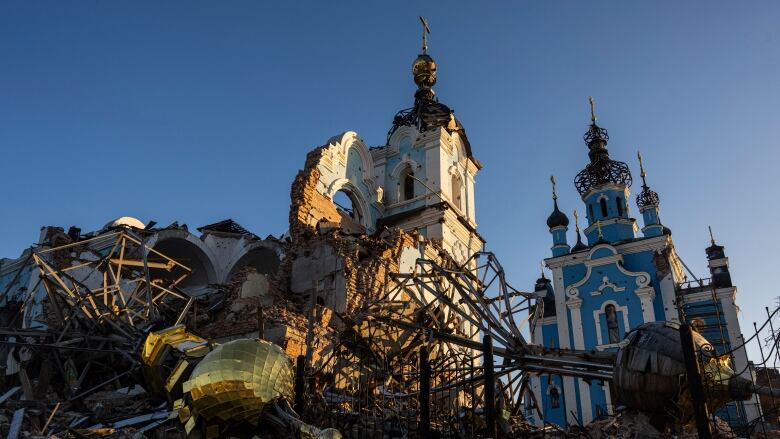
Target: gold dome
424, 71
237, 379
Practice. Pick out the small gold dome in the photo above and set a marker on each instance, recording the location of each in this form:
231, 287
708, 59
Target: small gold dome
424, 71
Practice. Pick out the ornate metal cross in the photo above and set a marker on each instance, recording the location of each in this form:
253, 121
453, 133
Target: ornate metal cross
425, 31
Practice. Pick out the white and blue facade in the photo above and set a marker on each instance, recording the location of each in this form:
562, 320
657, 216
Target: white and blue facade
617, 279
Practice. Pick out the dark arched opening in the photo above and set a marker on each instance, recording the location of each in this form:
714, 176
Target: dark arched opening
264, 260
189, 255
346, 203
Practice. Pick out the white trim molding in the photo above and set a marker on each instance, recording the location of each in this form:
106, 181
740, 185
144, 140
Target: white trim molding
605, 283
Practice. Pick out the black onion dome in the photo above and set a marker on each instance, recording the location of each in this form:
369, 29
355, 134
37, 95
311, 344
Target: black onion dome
557, 218
541, 284
601, 169
647, 197
579, 246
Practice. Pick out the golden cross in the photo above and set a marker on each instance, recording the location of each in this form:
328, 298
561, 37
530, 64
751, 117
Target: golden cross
552, 180
576, 221
425, 31
641, 166
592, 109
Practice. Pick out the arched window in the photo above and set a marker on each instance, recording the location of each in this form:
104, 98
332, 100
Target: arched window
457, 188
408, 184
555, 397
613, 329
590, 210
603, 203
344, 202
619, 203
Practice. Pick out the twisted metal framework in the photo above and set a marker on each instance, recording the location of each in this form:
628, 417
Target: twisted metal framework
451, 311
103, 294
595, 133
108, 280
601, 172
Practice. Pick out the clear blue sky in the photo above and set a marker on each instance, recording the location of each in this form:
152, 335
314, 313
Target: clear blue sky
199, 110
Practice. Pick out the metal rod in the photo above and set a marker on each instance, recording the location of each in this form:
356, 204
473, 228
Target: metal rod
424, 398
490, 386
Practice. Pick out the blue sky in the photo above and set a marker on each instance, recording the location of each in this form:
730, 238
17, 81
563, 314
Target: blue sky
197, 111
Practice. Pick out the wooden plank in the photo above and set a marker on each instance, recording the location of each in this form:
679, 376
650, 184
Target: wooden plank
9, 394
16, 424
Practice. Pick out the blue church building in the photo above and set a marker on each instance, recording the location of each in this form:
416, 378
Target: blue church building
616, 278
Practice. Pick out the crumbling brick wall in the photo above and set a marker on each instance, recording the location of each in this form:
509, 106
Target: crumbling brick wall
308, 205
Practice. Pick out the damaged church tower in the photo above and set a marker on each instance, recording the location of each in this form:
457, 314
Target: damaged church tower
421, 180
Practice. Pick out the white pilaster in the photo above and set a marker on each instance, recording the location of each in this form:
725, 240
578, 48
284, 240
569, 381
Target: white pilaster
668, 294
646, 296
574, 304
569, 393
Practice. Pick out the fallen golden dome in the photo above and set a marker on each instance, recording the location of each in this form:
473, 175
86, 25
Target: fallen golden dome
237, 379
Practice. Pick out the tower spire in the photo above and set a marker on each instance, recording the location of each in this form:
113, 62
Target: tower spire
592, 110
712, 237
647, 197
557, 218
579, 245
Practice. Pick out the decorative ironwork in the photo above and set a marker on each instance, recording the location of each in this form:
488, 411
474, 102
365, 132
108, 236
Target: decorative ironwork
427, 112
602, 172
647, 197
595, 133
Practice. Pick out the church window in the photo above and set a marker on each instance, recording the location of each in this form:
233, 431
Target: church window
555, 397
612, 324
619, 203
456, 192
590, 209
345, 202
603, 203
406, 184
409, 186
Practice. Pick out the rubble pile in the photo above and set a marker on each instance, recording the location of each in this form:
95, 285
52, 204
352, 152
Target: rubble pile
632, 424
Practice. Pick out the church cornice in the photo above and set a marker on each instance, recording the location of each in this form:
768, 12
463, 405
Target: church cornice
702, 296
656, 243
609, 221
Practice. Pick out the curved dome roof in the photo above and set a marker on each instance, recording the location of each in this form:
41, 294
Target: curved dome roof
125, 221
557, 218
